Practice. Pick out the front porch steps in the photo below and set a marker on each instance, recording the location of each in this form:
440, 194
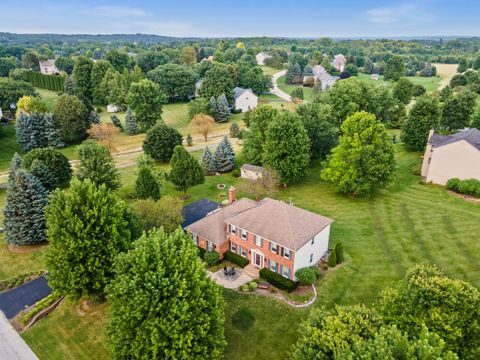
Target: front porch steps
252, 271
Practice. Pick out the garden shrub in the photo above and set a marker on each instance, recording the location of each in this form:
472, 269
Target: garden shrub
201, 252
55, 161
278, 280
332, 259
236, 173
245, 288
252, 285
339, 253
236, 259
39, 306
306, 276
465, 187
211, 257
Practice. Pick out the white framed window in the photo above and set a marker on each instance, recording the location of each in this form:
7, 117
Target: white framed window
287, 253
257, 240
233, 230
273, 266
274, 248
286, 271
311, 258
243, 234
244, 252
233, 247
210, 246
195, 238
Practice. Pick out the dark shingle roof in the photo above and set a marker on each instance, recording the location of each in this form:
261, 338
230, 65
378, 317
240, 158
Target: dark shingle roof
197, 210
472, 136
239, 91
252, 167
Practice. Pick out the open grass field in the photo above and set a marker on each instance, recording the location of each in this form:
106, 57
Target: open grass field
307, 92
430, 83
269, 70
446, 72
406, 224
48, 97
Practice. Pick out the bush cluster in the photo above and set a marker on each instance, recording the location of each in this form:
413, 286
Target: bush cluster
278, 280
211, 257
306, 276
465, 187
236, 259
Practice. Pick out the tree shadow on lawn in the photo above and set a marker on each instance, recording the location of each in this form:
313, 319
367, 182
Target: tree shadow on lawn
243, 319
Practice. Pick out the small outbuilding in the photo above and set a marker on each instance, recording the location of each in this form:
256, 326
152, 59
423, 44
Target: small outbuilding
112, 108
251, 172
374, 77
245, 99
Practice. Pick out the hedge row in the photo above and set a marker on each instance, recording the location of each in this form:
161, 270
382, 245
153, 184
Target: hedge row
49, 82
236, 259
465, 187
278, 280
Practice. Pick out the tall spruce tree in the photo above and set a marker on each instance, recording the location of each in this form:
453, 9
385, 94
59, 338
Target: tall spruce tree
25, 206
162, 304
130, 123
213, 108
96, 163
44, 174
209, 164
68, 86
146, 185
186, 171
57, 164
223, 109
36, 130
225, 156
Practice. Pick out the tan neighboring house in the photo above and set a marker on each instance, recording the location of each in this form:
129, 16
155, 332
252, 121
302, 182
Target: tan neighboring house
339, 62
261, 57
452, 156
270, 234
48, 67
245, 99
252, 172
320, 76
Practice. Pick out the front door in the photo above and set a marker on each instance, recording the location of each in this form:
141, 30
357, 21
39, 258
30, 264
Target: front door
258, 259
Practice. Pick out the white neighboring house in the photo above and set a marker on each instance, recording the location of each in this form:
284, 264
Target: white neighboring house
339, 62
374, 77
252, 172
48, 67
245, 99
112, 108
326, 80
452, 156
261, 57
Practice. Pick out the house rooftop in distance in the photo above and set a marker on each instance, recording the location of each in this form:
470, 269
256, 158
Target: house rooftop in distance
472, 136
239, 91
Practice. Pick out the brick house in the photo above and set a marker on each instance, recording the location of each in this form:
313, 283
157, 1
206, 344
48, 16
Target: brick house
269, 233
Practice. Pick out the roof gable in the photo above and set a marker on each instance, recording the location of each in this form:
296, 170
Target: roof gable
238, 91
472, 136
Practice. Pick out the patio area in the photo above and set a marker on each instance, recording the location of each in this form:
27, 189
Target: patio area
232, 281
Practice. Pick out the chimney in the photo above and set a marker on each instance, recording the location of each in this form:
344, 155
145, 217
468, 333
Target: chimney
231, 195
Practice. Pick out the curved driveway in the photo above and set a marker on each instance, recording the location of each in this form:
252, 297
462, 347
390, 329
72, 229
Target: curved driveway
276, 90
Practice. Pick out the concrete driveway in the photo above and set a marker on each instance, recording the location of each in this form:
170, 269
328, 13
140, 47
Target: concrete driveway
15, 300
12, 346
276, 90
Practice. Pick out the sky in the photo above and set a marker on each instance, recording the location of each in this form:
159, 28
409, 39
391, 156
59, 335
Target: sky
206, 18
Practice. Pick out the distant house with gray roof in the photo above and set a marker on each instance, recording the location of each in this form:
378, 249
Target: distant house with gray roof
261, 57
252, 172
452, 156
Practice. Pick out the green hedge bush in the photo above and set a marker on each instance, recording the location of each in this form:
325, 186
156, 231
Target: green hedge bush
278, 280
236, 259
211, 257
201, 252
465, 187
306, 276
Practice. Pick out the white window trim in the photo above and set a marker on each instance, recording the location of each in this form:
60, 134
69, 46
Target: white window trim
288, 251
244, 234
233, 229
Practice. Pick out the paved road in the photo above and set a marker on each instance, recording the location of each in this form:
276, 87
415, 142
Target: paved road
276, 90
15, 300
12, 346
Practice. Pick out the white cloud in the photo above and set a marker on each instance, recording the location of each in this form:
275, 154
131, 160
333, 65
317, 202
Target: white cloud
117, 11
403, 13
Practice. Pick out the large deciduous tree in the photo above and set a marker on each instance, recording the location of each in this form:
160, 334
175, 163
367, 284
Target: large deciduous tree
217, 81
146, 100
25, 206
185, 170
57, 165
176, 80
82, 77
424, 115
12, 90
30, 61
166, 213
99, 69
364, 160
96, 164
403, 90
287, 147
162, 305
71, 117
457, 110
88, 226
394, 69
160, 142
321, 128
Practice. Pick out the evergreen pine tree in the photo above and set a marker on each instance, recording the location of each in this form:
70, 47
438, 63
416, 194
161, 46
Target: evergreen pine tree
51, 132
146, 185
223, 109
186, 171
94, 118
213, 108
225, 156
24, 210
116, 121
307, 70
208, 162
289, 74
234, 130
130, 123
23, 131
43, 173
68, 85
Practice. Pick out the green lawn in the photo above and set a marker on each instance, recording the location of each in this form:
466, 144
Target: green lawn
9, 146
430, 83
269, 70
48, 97
307, 91
406, 224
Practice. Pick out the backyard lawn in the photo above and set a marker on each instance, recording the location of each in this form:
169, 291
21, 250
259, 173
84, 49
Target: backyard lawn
307, 92
430, 83
406, 224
